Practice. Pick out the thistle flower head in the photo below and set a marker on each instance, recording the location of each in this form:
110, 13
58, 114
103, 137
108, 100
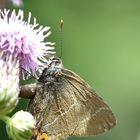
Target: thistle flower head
9, 83
21, 126
24, 40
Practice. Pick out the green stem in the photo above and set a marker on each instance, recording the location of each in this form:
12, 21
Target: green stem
6, 119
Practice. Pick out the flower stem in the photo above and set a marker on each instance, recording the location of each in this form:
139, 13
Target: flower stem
6, 119
27, 91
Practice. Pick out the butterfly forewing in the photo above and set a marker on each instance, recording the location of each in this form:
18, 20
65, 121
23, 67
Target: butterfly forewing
69, 106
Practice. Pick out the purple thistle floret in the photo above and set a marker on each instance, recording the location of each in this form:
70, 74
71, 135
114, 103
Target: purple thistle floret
24, 40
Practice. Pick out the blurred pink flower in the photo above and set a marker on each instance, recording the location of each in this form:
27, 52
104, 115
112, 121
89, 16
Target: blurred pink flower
17, 2
24, 40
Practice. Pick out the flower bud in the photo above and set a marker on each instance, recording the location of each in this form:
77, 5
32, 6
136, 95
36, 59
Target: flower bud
21, 126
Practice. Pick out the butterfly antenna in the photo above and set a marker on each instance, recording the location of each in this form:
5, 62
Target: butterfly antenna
61, 33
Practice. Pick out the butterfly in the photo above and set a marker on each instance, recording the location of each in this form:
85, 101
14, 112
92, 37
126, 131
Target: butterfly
65, 105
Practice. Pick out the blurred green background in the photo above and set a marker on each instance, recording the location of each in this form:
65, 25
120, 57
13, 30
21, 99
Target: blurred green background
101, 43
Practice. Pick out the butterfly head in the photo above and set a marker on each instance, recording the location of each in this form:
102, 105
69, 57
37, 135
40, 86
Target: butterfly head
51, 72
55, 62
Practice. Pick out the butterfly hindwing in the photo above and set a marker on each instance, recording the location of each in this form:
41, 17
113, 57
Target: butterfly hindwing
97, 116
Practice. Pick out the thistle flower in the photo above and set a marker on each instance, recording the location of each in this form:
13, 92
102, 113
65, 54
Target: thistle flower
9, 84
21, 126
24, 40
17, 2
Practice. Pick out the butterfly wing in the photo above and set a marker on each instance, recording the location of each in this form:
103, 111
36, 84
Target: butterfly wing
70, 107
94, 115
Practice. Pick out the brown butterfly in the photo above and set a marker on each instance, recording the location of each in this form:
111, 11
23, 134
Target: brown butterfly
65, 105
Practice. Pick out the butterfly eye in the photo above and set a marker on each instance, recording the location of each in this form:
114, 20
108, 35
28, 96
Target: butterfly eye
54, 59
43, 136
57, 62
